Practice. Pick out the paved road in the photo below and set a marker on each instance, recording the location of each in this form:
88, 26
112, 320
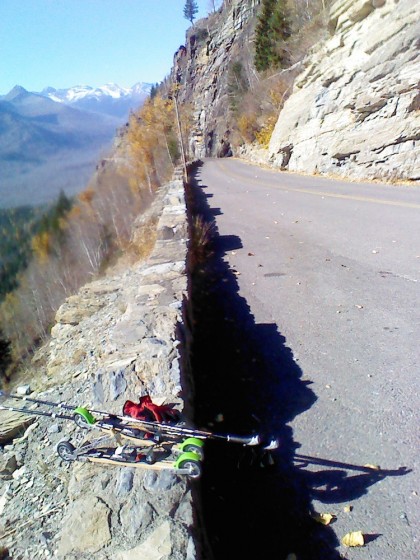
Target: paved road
336, 267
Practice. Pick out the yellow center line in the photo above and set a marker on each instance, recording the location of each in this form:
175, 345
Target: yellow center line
260, 180
354, 197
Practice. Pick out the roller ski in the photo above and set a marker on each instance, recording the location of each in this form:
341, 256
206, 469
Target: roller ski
145, 422
138, 417
156, 458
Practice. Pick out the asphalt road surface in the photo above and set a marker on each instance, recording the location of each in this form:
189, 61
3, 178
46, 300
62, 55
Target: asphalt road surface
334, 268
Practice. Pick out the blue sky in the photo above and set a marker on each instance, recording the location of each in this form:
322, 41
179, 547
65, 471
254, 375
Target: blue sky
62, 43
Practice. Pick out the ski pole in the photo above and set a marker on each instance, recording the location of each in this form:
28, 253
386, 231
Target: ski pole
36, 412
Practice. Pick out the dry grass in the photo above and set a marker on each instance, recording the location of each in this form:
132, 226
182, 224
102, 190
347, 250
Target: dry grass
137, 250
144, 241
201, 236
259, 108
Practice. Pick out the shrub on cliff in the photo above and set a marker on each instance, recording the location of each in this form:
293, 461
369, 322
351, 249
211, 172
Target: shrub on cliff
285, 31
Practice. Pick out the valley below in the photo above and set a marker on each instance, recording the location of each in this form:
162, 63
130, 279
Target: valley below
52, 141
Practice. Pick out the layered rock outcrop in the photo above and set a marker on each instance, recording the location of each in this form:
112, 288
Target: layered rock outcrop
354, 110
202, 69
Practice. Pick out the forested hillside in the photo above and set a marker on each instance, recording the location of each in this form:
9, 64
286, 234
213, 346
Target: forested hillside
17, 226
47, 254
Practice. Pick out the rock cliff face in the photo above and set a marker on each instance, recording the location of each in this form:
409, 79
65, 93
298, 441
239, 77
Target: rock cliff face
355, 108
202, 67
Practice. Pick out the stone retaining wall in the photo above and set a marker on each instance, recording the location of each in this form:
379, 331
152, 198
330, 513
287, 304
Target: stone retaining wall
118, 338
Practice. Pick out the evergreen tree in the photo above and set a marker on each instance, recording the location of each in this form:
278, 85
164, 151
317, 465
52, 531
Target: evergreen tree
272, 30
51, 221
153, 90
190, 10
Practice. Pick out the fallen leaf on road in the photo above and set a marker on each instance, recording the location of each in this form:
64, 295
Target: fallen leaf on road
372, 467
348, 509
324, 518
355, 538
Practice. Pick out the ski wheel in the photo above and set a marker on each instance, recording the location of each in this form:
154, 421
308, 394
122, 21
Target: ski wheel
66, 451
194, 468
83, 418
193, 445
80, 421
198, 450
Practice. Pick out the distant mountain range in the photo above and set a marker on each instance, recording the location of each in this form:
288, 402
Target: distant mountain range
109, 99
53, 139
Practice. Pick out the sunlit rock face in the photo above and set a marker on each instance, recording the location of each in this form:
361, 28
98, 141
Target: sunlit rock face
354, 110
354, 107
201, 68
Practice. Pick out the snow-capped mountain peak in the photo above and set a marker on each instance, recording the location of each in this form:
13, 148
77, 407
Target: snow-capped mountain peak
113, 90
77, 93
109, 99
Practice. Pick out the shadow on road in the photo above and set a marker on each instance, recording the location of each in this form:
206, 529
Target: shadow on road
336, 484
255, 503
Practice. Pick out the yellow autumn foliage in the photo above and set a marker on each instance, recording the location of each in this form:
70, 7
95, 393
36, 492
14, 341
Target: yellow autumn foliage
263, 136
354, 538
153, 141
247, 126
41, 245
